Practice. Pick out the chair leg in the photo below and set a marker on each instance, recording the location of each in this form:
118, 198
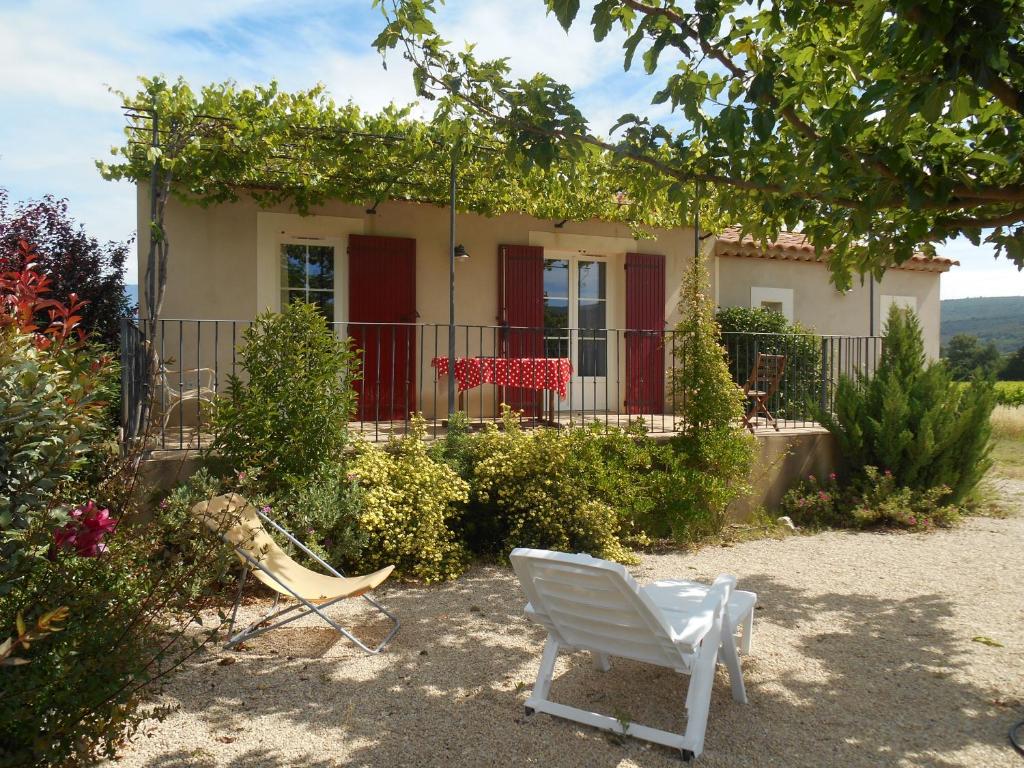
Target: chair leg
238, 598
748, 633
698, 693
732, 661
545, 674
601, 662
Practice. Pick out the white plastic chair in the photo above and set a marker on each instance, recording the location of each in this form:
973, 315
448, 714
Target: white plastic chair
240, 524
595, 605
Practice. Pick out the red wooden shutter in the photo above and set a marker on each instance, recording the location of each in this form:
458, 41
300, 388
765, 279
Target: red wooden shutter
645, 332
382, 294
521, 316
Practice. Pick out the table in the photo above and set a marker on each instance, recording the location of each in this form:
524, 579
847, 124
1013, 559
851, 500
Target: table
551, 374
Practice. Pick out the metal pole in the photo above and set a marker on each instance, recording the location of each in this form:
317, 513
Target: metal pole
451, 283
154, 178
871, 294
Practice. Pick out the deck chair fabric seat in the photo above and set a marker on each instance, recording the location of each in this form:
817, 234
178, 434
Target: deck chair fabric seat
240, 524
595, 605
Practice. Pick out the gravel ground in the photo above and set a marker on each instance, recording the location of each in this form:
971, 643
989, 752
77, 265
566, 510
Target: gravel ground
864, 655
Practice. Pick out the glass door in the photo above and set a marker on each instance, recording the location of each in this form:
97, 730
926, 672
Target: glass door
575, 325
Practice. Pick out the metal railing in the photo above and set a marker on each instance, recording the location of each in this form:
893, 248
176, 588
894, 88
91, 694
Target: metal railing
617, 375
814, 366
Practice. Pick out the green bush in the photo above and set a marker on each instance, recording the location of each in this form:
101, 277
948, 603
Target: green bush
876, 499
531, 489
408, 502
290, 413
713, 453
50, 422
747, 331
1010, 394
912, 419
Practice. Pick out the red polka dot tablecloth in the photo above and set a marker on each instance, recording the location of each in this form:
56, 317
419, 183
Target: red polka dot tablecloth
552, 373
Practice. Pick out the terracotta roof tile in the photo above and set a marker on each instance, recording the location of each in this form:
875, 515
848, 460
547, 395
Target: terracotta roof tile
794, 246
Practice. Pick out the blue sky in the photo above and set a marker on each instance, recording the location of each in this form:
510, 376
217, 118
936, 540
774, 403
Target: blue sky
60, 56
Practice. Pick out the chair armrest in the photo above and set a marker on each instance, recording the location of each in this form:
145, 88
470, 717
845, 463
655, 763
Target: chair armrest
702, 620
300, 545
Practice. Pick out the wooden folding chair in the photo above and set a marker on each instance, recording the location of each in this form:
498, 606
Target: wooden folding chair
761, 387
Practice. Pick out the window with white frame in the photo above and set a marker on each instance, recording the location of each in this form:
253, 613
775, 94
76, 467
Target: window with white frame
776, 299
307, 274
576, 297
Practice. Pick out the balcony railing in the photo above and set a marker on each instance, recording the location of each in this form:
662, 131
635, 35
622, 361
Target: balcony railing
551, 377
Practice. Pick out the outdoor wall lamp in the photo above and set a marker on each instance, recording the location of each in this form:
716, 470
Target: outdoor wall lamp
461, 253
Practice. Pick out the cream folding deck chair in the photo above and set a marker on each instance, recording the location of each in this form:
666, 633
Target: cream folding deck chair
240, 524
594, 605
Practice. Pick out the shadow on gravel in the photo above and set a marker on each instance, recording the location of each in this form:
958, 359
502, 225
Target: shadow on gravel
875, 689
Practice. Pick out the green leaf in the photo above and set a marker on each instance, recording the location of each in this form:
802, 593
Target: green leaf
987, 641
565, 11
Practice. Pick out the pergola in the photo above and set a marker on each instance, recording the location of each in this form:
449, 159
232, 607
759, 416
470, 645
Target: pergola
303, 149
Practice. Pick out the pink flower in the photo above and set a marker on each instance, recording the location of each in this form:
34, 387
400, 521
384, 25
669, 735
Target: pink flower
86, 530
912, 520
888, 473
241, 476
266, 510
832, 477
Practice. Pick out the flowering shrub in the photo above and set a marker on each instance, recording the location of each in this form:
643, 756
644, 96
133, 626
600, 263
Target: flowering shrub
815, 504
883, 501
124, 619
85, 533
51, 414
537, 489
408, 503
878, 499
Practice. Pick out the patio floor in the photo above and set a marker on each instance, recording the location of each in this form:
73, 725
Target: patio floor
177, 438
863, 656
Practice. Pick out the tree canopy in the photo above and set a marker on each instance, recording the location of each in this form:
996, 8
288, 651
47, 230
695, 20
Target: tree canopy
878, 127
966, 354
74, 261
221, 141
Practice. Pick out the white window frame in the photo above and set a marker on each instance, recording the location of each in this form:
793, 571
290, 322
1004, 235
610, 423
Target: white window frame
573, 299
784, 296
340, 271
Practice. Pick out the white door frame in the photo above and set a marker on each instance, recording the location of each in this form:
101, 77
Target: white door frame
586, 391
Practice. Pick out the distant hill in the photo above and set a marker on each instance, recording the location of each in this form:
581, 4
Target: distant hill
999, 319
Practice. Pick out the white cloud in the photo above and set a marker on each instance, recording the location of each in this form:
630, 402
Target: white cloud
61, 54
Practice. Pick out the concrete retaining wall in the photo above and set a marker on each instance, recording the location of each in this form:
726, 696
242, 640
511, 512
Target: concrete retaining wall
784, 459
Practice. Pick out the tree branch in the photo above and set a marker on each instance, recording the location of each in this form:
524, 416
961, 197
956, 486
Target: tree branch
1013, 217
997, 86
